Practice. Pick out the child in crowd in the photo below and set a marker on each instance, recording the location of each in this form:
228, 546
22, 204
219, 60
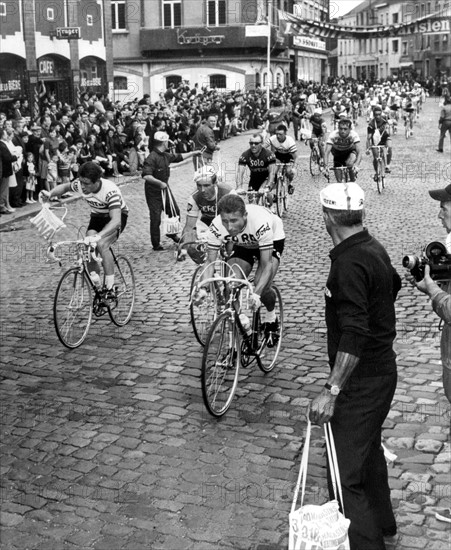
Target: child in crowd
52, 172
64, 163
30, 183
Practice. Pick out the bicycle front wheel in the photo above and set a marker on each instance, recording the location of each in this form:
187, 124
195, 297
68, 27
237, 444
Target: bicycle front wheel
72, 308
221, 364
121, 309
281, 196
270, 336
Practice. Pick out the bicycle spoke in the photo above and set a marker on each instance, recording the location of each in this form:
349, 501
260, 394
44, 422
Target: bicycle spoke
72, 308
270, 341
121, 308
220, 365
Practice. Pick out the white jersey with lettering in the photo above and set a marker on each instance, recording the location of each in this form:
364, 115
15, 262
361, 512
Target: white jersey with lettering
345, 144
107, 197
261, 230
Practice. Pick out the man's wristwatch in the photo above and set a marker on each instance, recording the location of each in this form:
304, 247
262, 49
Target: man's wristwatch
334, 390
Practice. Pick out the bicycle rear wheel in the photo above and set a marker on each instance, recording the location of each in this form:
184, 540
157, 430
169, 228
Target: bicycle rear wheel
121, 309
72, 308
314, 162
221, 364
270, 341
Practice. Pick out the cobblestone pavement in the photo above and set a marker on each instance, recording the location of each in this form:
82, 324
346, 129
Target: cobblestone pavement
109, 446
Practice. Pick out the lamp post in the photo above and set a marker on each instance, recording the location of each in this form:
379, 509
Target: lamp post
268, 55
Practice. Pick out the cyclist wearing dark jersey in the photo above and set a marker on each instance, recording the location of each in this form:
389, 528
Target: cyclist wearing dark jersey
319, 130
261, 163
379, 126
276, 114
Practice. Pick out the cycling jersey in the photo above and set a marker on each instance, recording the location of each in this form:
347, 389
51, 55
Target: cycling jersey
284, 152
107, 198
382, 126
207, 208
343, 145
261, 230
258, 166
317, 122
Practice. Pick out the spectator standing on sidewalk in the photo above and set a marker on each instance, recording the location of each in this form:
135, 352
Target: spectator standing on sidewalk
444, 123
156, 172
360, 317
205, 137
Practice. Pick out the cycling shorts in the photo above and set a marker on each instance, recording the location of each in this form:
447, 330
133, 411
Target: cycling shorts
344, 158
99, 221
256, 183
249, 255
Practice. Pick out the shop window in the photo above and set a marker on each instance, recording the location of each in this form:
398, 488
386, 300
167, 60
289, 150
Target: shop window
218, 81
120, 83
216, 13
89, 20
404, 48
172, 13
2, 9
118, 20
445, 41
50, 14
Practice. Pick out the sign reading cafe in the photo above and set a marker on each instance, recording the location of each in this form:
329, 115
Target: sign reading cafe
203, 39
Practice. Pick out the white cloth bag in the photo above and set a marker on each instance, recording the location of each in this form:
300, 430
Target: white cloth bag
318, 527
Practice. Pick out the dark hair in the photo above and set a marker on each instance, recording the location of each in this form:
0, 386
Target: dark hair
346, 121
91, 171
231, 203
345, 218
281, 127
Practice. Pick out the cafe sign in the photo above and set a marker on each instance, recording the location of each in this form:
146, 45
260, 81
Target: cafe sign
10, 86
201, 39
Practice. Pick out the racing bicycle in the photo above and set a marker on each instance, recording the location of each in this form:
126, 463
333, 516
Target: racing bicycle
379, 155
282, 189
342, 173
316, 160
78, 298
231, 344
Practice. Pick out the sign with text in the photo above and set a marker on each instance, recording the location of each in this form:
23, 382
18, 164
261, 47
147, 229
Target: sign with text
306, 42
68, 33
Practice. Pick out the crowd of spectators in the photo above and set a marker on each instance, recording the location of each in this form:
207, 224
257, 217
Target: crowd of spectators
38, 153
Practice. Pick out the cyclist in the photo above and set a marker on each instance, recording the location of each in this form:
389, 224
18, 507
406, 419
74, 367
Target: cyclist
338, 112
409, 111
256, 234
202, 208
262, 166
276, 115
378, 133
319, 130
109, 215
285, 151
344, 144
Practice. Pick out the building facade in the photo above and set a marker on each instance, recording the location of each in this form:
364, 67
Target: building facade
62, 46
422, 54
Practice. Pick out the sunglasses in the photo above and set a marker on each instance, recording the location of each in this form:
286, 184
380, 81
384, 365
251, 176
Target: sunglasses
255, 142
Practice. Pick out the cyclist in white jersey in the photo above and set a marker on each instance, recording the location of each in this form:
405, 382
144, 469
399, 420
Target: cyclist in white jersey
257, 234
285, 150
109, 214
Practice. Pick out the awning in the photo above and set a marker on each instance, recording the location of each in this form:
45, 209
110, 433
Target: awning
405, 64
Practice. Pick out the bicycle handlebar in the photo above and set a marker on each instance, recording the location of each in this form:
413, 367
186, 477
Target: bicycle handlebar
227, 280
90, 249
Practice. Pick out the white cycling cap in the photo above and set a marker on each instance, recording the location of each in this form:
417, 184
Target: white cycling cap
343, 196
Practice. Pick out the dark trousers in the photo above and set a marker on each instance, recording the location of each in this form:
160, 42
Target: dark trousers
445, 127
296, 126
361, 409
155, 204
15, 193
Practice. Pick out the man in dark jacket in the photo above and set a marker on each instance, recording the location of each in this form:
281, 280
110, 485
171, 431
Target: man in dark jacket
360, 318
205, 138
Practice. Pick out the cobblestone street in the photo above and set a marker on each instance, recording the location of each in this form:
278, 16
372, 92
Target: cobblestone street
109, 446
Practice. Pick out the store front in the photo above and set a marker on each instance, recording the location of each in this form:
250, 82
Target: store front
54, 72
12, 78
93, 75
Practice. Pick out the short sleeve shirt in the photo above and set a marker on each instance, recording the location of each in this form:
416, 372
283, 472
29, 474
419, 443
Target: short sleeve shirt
107, 198
206, 208
284, 152
258, 165
261, 230
343, 145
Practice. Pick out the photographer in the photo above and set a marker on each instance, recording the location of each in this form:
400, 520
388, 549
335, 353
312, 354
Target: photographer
441, 295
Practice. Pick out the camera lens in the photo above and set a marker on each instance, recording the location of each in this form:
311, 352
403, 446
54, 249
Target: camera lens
410, 261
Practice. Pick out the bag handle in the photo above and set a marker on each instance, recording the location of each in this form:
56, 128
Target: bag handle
302, 477
333, 463
166, 196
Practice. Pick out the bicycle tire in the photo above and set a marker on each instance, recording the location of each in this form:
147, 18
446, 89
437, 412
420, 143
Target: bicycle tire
314, 163
72, 308
280, 196
203, 315
268, 355
221, 364
121, 310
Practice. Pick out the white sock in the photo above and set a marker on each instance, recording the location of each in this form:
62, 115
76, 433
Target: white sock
268, 316
109, 281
